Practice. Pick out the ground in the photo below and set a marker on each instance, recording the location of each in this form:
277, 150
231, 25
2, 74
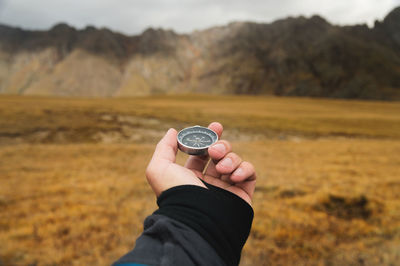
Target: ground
73, 190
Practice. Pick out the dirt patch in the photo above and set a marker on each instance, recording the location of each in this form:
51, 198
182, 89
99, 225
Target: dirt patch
265, 189
128, 135
130, 120
291, 193
349, 207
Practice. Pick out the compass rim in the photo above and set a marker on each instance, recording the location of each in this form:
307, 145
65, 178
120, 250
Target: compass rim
197, 148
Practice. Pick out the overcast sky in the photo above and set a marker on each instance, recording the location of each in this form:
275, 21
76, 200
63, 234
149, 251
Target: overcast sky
133, 16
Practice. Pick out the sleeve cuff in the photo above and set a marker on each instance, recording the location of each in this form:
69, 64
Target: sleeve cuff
219, 216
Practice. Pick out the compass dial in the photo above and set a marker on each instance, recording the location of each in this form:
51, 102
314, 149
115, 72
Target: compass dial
196, 140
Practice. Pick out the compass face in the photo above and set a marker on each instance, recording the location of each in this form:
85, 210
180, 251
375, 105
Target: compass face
195, 140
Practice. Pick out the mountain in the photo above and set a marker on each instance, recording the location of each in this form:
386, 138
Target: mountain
293, 56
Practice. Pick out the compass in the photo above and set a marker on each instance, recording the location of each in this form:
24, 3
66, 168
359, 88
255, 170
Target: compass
196, 140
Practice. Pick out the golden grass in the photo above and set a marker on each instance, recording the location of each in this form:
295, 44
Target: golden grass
270, 116
298, 220
71, 204
319, 199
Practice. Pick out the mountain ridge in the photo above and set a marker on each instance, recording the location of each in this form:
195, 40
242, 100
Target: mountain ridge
296, 56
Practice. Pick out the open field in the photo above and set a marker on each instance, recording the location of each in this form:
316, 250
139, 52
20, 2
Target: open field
73, 191
37, 119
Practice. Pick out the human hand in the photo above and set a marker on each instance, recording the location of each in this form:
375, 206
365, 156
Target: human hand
226, 169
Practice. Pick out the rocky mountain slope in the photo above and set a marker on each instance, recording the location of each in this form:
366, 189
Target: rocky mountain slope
293, 56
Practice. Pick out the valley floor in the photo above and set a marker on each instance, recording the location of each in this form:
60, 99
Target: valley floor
327, 190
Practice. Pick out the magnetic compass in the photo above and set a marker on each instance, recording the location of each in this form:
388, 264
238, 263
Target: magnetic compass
196, 140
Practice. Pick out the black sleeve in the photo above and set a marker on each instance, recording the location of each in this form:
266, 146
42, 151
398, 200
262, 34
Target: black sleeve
218, 221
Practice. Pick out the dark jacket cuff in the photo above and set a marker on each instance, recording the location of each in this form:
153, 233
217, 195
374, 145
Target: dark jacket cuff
219, 216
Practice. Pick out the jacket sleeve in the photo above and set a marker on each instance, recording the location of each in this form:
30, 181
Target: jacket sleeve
193, 226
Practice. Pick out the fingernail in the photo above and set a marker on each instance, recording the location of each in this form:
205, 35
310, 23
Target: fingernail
227, 162
220, 147
239, 172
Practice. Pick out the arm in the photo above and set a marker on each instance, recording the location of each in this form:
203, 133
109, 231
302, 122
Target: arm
201, 220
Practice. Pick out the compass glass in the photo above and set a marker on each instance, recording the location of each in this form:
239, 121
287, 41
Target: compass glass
196, 140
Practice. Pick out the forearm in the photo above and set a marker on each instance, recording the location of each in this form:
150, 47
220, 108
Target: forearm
194, 226
165, 242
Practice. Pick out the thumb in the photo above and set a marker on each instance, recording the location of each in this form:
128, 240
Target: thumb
162, 172
166, 149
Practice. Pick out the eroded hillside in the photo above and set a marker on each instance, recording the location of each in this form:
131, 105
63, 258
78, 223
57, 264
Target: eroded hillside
293, 56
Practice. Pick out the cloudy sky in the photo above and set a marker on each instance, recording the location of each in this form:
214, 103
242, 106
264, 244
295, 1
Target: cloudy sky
133, 16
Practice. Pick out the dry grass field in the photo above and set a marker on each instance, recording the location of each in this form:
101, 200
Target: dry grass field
73, 190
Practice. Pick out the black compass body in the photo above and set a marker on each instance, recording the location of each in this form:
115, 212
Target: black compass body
196, 140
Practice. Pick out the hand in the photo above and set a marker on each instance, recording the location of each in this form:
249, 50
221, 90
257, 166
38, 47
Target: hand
226, 169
